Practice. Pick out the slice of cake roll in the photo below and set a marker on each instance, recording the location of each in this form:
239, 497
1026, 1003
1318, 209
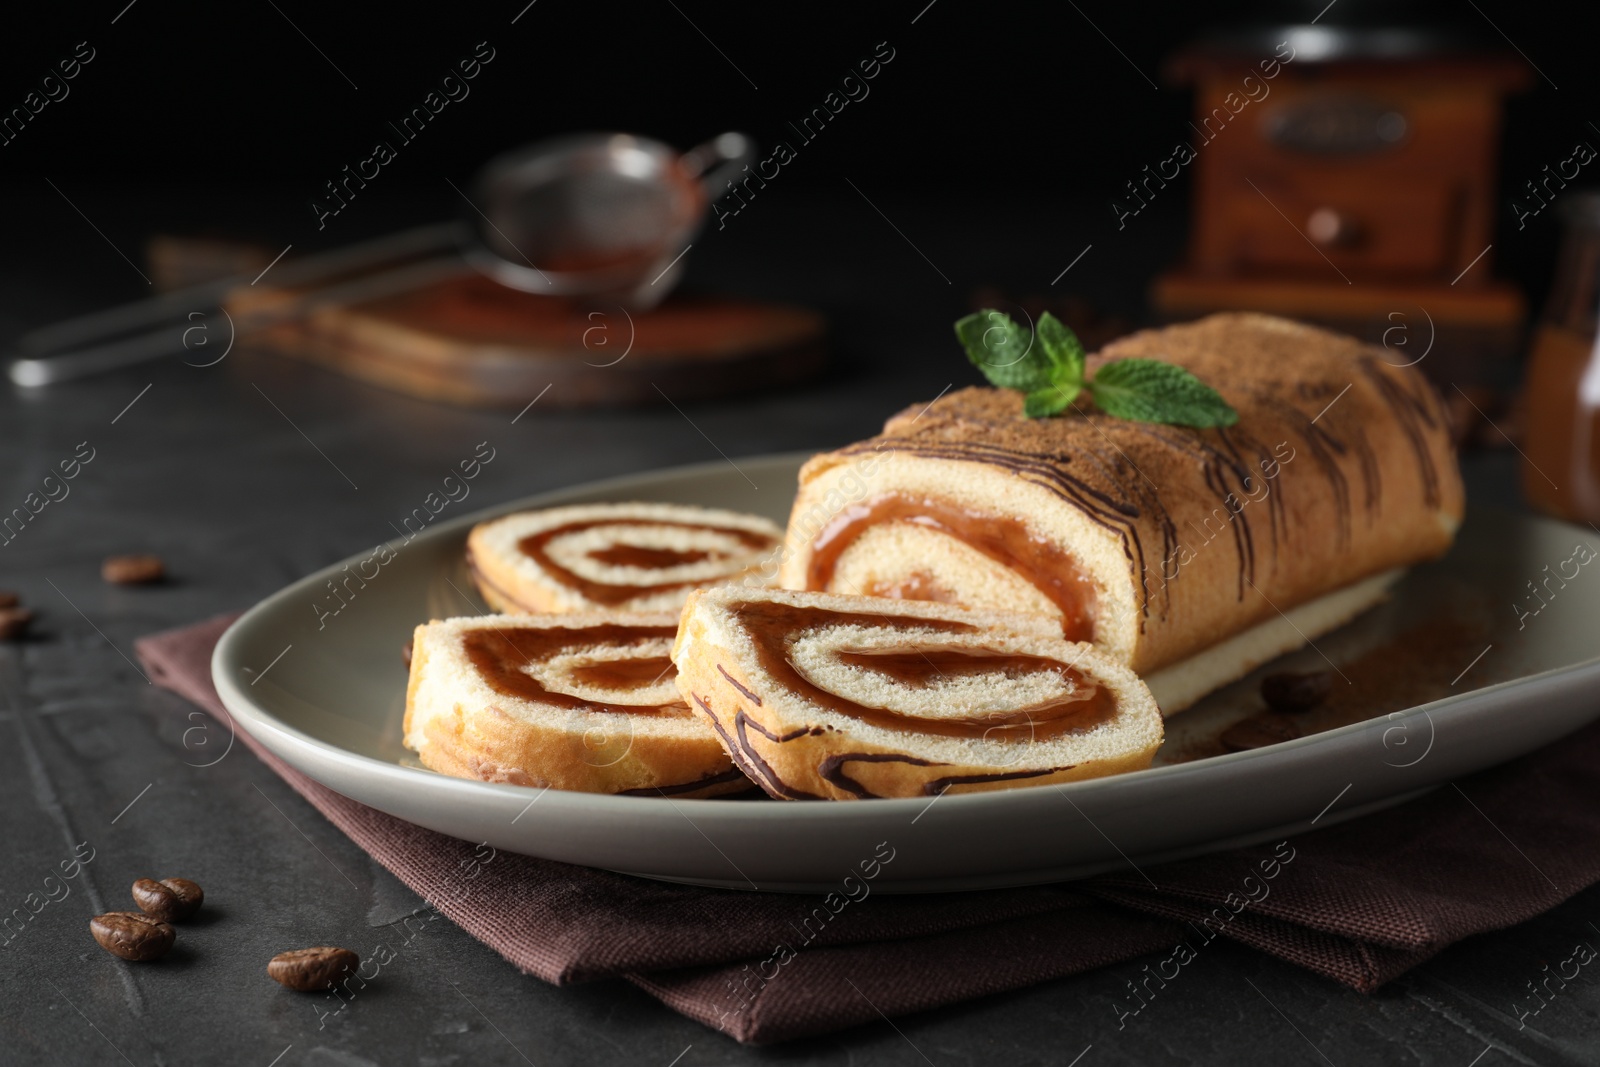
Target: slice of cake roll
617, 557
581, 701
836, 697
1190, 555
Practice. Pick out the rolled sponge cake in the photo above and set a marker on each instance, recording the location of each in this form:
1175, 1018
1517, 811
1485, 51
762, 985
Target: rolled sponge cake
818, 696
620, 557
1155, 542
582, 701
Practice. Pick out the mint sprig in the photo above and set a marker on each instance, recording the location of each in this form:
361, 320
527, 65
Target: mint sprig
1048, 368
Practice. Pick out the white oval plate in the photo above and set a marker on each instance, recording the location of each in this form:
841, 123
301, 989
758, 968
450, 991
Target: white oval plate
326, 692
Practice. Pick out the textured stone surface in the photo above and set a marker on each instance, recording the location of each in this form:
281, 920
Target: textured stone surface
205, 473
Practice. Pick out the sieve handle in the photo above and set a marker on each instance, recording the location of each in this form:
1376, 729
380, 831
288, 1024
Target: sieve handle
719, 160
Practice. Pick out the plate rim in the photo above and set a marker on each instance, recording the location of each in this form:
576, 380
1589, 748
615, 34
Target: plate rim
253, 717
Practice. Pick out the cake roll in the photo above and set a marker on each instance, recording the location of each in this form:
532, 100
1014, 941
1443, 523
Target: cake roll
615, 557
817, 696
583, 701
1190, 555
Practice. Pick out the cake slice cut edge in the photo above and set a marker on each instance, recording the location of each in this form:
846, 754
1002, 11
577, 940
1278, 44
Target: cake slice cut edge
1004, 702
620, 557
589, 719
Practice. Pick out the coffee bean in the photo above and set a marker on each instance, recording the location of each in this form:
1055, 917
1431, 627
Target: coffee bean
14, 623
1296, 692
312, 969
170, 900
1257, 732
133, 935
132, 570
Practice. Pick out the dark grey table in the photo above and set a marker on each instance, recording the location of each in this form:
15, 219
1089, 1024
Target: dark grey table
256, 471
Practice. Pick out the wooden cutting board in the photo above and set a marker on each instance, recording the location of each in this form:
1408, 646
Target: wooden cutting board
471, 341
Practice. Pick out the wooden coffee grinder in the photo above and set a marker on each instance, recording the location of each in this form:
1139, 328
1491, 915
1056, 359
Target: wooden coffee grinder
1344, 174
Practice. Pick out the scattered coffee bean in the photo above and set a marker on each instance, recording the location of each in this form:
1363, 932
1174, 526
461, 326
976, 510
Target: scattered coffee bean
1257, 732
132, 570
170, 900
405, 654
311, 970
133, 935
14, 623
1296, 692
8, 599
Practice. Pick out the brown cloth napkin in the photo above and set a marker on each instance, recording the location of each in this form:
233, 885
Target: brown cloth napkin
1361, 902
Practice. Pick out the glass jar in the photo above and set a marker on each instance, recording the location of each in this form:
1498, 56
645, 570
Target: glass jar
1561, 461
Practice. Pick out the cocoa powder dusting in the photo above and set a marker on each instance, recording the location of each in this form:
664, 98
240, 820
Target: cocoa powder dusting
1411, 668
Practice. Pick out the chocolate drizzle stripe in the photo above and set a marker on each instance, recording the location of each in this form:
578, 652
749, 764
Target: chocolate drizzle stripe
1244, 538
939, 785
1114, 516
748, 760
1371, 475
1217, 464
1044, 470
1321, 443
777, 785
728, 743
747, 694
1147, 502
1413, 412
832, 769
1278, 517
1244, 560
800, 731
685, 787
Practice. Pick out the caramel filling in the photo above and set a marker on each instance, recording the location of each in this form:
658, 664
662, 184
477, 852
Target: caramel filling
535, 547
918, 585
921, 662
1047, 566
503, 654
648, 558
625, 673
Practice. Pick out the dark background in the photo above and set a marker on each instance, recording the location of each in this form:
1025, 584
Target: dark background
992, 145
982, 103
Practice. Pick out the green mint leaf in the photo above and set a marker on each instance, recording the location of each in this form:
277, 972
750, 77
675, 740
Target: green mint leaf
1051, 400
1047, 366
1147, 390
1063, 348
1006, 353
